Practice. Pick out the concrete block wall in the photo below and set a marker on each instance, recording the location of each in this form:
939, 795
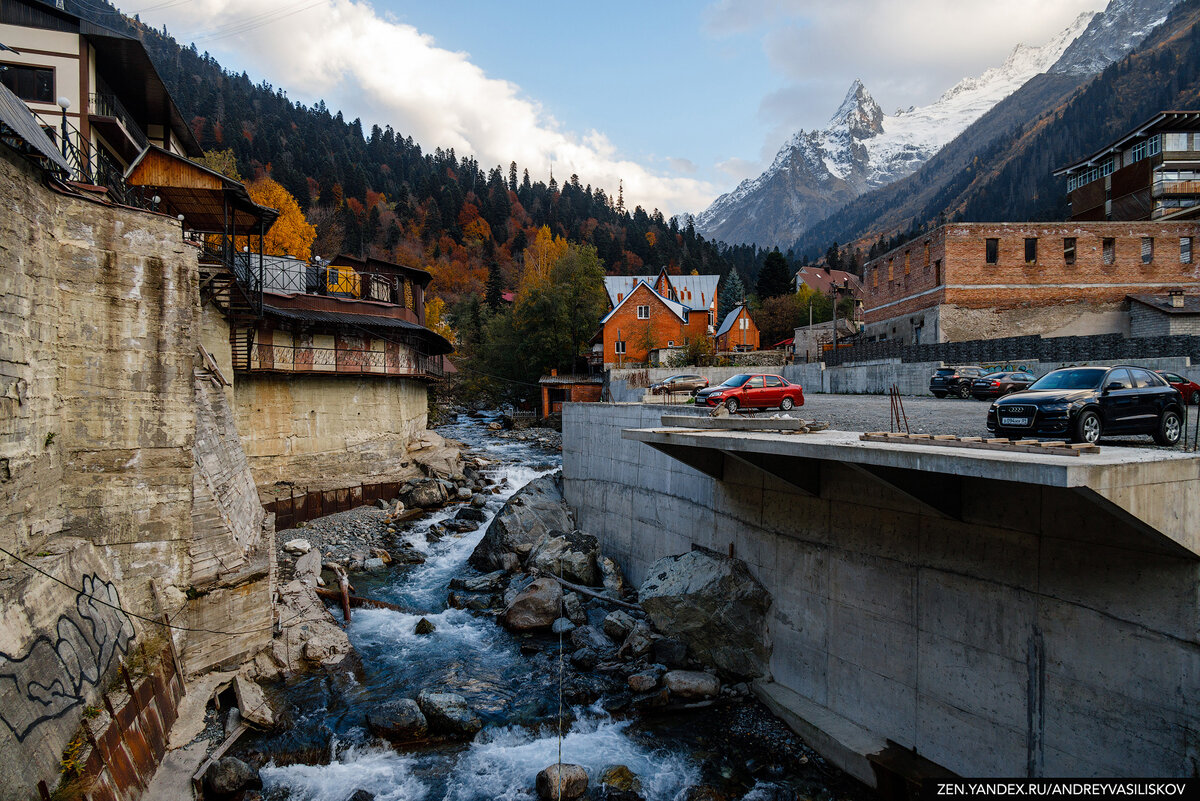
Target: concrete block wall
1034, 636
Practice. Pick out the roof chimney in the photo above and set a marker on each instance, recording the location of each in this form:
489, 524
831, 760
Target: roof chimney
554, 371
1176, 296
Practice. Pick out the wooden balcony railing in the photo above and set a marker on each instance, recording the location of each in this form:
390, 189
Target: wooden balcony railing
397, 360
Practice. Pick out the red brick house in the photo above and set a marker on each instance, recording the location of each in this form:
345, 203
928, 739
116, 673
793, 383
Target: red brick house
654, 313
737, 332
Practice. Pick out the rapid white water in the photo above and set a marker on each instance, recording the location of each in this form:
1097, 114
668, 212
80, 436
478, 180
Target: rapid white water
468, 654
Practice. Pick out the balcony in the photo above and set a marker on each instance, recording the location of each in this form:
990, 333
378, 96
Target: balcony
115, 123
395, 360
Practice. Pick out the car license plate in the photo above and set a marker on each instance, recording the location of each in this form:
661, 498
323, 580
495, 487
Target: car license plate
1014, 421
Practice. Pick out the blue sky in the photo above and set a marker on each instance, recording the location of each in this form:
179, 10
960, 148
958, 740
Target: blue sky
677, 100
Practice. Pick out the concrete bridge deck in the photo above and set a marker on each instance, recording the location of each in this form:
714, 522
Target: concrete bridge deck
998, 614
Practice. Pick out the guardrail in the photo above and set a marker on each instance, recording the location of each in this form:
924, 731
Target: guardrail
395, 360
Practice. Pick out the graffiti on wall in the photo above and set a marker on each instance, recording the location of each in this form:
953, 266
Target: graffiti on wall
53, 675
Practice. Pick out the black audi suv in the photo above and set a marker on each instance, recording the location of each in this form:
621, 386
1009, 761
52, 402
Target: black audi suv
1085, 403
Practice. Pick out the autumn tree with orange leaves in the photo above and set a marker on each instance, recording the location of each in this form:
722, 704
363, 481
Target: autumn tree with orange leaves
291, 234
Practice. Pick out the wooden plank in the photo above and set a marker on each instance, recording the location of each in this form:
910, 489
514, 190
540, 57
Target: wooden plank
1053, 447
734, 423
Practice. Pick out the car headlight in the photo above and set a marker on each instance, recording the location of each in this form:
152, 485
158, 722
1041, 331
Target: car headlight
1055, 407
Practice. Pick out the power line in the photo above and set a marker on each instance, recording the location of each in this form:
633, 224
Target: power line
254, 22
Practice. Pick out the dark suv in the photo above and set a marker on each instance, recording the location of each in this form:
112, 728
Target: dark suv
1085, 403
954, 381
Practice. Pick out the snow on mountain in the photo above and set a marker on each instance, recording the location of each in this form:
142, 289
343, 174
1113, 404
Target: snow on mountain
862, 148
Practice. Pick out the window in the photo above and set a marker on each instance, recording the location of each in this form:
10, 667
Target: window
1109, 246
1175, 141
643, 312
743, 323
1185, 250
755, 383
619, 346
937, 272
906, 262
1031, 250
890, 268
670, 343
1147, 249
774, 381
875, 277
926, 257
710, 318
29, 83
992, 250
1069, 250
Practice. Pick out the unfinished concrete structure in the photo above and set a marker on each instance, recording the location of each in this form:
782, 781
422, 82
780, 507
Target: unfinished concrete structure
997, 614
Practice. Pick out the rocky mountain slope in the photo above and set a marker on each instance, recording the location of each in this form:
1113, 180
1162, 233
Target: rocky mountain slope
862, 149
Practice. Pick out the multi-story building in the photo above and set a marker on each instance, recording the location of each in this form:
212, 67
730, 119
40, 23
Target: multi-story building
983, 280
1150, 173
655, 313
92, 88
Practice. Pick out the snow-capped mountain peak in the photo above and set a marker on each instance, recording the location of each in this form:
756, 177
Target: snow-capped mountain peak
858, 113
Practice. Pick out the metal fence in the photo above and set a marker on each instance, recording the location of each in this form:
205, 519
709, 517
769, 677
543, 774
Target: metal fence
296, 509
395, 360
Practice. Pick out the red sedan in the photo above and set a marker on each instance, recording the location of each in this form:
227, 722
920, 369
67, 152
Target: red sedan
1190, 390
748, 391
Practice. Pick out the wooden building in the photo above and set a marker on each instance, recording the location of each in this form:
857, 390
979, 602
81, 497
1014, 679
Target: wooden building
559, 389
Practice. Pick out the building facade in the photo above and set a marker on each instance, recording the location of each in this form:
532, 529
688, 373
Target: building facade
655, 314
737, 332
1149, 173
984, 280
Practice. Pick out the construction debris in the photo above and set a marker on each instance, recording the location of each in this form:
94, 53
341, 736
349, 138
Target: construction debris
1053, 447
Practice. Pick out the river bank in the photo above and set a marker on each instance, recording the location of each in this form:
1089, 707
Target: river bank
323, 748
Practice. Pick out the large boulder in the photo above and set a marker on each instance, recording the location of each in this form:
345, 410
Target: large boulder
535, 607
229, 777
712, 604
529, 516
692, 684
561, 782
448, 714
398, 721
569, 554
427, 494
436, 456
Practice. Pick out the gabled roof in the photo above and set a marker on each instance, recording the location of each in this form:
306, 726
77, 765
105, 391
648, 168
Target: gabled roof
208, 200
727, 323
819, 279
678, 309
693, 291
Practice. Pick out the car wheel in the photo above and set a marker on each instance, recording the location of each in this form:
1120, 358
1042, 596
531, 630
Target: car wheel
786, 404
1194, 398
1087, 428
964, 391
1170, 428
939, 394
732, 405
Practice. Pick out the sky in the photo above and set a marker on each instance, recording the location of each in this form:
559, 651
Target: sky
678, 101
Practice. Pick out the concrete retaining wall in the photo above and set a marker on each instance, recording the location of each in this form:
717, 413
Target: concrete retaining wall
1031, 637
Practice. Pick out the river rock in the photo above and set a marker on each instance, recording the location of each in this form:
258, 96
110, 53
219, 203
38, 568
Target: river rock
692, 684
436, 456
644, 682
637, 643
535, 607
297, 546
424, 627
585, 658
463, 493
471, 514
230, 776
374, 564
510, 562
427, 494
714, 605
479, 500
573, 609
325, 646
398, 721
448, 713
618, 624
670, 652
571, 555
562, 626
489, 582
591, 637
620, 777
527, 517
253, 703
308, 567
610, 576
361, 795
563, 782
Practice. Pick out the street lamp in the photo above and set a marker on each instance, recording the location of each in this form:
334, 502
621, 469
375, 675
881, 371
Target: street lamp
64, 103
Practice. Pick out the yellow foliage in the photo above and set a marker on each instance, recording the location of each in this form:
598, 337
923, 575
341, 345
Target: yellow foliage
291, 234
652, 238
477, 231
540, 256
434, 310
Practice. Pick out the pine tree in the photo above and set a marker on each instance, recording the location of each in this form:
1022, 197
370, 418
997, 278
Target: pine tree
495, 286
733, 294
773, 279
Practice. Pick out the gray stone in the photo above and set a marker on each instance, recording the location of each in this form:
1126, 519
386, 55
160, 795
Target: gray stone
374, 564
569, 555
308, 567
448, 714
398, 721
584, 658
297, 546
327, 645
692, 684
573, 609
714, 605
489, 582
381, 504
527, 517
610, 576
561, 782
472, 514
479, 500
562, 626
253, 703
463, 494
510, 562
620, 777
424, 627
229, 776
670, 652
645, 681
637, 643
535, 607
591, 637
618, 624
427, 494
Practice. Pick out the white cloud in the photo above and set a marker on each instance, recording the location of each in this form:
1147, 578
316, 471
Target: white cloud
739, 169
682, 165
390, 73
